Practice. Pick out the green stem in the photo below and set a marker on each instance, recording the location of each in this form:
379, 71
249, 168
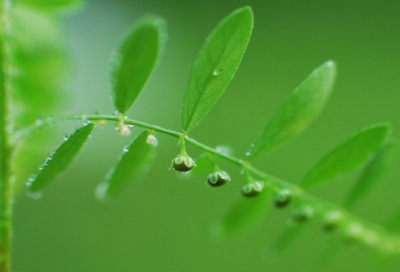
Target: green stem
369, 234
183, 152
5, 153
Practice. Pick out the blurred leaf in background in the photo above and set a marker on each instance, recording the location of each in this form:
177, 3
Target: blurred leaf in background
40, 71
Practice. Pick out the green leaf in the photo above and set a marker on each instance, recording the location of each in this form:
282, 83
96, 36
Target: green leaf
302, 107
59, 161
244, 215
375, 171
134, 61
348, 156
216, 65
132, 166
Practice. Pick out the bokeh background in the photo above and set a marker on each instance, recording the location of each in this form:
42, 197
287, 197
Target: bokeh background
162, 223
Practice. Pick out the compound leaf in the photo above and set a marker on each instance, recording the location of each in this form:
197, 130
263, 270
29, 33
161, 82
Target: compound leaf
303, 106
375, 171
134, 61
59, 161
216, 65
244, 215
348, 156
133, 164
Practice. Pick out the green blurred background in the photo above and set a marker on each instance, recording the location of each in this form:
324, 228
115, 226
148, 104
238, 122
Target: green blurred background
163, 222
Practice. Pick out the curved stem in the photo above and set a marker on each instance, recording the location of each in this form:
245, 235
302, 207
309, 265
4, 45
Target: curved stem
353, 227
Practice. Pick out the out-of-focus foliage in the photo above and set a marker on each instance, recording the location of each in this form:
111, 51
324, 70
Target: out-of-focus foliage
39, 63
303, 106
375, 172
133, 165
243, 215
134, 61
350, 155
40, 69
53, 5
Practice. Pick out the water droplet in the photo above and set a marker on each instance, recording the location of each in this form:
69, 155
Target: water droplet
39, 122
126, 148
84, 117
36, 196
46, 162
32, 178
101, 191
41, 167
170, 168
217, 71
90, 136
248, 153
131, 126
50, 156
115, 60
66, 137
116, 113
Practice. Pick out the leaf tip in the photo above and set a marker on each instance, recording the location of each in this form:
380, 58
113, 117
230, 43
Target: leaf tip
246, 10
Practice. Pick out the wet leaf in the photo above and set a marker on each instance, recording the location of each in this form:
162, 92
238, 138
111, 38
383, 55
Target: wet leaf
216, 65
61, 159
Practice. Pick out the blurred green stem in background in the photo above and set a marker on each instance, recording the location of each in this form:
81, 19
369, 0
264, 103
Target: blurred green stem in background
5, 151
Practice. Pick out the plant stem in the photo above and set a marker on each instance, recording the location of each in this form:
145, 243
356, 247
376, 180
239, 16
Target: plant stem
353, 227
5, 152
